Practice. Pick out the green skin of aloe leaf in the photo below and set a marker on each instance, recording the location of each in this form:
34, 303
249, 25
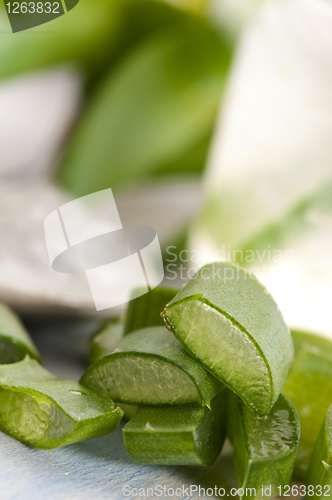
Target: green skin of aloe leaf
309, 387
229, 322
106, 340
178, 435
146, 310
44, 411
15, 342
320, 466
149, 367
264, 447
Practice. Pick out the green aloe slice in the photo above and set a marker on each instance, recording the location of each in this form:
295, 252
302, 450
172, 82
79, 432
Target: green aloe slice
177, 435
105, 341
44, 411
229, 322
319, 477
149, 367
15, 342
146, 310
264, 447
310, 389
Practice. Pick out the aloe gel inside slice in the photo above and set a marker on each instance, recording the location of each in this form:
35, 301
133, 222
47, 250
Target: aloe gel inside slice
139, 379
45, 411
224, 354
33, 422
229, 322
150, 367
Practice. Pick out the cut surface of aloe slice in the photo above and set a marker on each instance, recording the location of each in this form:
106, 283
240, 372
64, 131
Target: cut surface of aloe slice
15, 342
146, 309
149, 367
177, 435
264, 447
319, 477
228, 321
44, 411
309, 387
106, 340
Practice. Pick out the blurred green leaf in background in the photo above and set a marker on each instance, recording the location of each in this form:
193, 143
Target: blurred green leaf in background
155, 110
85, 36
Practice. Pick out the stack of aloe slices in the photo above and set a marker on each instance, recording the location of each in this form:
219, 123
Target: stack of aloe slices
224, 332
219, 368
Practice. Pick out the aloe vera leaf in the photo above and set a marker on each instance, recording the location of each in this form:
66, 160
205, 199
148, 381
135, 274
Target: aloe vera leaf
309, 387
15, 342
146, 309
149, 367
181, 435
78, 36
264, 447
228, 321
320, 466
162, 99
44, 411
105, 341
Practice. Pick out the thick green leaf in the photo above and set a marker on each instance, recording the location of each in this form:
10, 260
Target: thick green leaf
159, 104
309, 387
228, 321
15, 342
319, 477
264, 447
184, 435
149, 367
146, 310
44, 411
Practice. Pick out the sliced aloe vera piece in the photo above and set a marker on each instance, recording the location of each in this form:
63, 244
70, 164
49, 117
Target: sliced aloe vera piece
105, 341
264, 447
44, 411
146, 310
310, 389
149, 367
15, 342
229, 322
319, 477
177, 435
